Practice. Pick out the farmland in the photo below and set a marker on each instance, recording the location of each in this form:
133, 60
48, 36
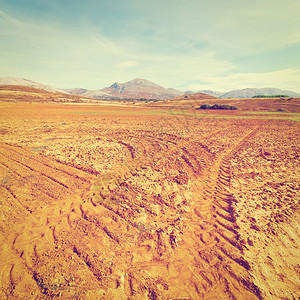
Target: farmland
143, 202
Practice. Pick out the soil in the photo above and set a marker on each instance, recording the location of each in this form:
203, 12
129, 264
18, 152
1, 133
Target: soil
115, 202
291, 105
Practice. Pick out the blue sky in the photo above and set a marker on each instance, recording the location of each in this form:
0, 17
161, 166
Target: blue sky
184, 44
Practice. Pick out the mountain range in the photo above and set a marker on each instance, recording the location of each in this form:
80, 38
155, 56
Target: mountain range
144, 89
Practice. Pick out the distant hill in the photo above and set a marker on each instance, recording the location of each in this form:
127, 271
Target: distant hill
76, 91
208, 92
250, 92
212, 93
140, 88
95, 94
144, 89
29, 83
23, 93
247, 93
194, 96
99, 94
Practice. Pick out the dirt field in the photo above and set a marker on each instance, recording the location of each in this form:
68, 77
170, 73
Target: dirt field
291, 105
102, 202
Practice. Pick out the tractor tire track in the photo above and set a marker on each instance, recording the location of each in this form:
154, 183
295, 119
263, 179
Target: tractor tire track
219, 249
43, 227
74, 226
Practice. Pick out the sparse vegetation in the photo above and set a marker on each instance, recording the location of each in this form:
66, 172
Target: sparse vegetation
271, 96
218, 106
146, 100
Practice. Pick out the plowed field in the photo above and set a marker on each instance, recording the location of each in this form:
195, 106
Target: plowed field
100, 202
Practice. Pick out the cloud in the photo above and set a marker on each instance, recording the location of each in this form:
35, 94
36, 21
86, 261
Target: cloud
182, 44
233, 26
286, 79
46, 52
127, 64
3, 14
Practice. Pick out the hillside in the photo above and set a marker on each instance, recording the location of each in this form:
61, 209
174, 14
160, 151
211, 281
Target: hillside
29, 83
20, 93
77, 91
194, 101
194, 96
98, 94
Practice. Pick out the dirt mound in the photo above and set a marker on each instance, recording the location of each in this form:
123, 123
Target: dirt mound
195, 96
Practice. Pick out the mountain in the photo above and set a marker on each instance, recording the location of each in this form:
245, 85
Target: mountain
29, 83
77, 91
98, 94
208, 92
250, 92
212, 93
140, 88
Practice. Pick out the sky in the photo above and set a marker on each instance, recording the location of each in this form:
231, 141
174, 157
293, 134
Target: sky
192, 45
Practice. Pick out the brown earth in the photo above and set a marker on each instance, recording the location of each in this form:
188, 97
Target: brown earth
253, 104
107, 202
194, 96
19, 93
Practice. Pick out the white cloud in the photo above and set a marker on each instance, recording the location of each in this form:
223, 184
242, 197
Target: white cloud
3, 14
182, 44
49, 53
248, 27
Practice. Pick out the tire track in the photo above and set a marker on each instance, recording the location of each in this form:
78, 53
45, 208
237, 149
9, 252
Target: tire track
218, 264
35, 170
43, 161
41, 231
75, 222
218, 244
38, 163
